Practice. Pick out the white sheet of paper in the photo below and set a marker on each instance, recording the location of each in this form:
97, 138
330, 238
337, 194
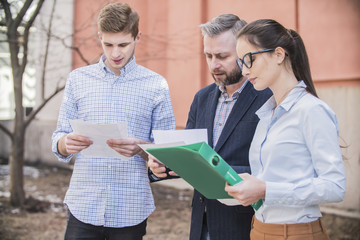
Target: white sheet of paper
152, 145
174, 138
99, 134
229, 201
189, 136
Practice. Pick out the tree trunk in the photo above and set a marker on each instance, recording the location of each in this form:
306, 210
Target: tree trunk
16, 163
17, 196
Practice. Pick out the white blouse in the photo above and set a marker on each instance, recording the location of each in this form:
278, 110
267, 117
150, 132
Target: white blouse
296, 152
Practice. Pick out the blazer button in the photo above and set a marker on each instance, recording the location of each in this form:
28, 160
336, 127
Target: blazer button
201, 199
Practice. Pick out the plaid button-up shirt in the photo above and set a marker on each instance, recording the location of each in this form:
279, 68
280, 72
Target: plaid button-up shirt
223, 109
108, 191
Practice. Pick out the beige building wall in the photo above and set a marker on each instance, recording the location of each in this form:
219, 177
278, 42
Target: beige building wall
344, 101
332, 40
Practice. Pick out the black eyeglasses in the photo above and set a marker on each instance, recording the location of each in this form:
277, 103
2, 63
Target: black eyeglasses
248, 59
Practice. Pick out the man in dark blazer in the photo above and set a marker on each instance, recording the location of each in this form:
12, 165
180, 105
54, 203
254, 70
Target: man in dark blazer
226, 109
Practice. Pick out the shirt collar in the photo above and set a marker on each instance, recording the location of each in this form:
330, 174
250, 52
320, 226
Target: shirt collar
294, 96
124, 71
235, 94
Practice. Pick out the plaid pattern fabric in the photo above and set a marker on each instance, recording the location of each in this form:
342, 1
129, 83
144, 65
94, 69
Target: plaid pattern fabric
223, 109
108, 191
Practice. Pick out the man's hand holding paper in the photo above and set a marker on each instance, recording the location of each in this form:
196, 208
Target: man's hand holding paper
73, 143
172, 138
127, 147
99, 134
158, 168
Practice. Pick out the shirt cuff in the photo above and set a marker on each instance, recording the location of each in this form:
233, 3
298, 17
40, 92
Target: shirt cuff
278, 194
56, 152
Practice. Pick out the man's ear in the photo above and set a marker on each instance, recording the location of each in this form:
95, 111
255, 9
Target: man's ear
280, 54
138, 36
100, 35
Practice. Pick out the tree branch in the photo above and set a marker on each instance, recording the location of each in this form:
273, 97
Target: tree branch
27, 31
8, 15
36, 111
34, 15
6, 131
48, 35
76, 49
22, 13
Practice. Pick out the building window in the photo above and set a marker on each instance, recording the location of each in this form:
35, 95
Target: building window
7, 102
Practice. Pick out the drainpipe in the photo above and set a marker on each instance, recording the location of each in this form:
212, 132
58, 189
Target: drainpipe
203, 64
297, 16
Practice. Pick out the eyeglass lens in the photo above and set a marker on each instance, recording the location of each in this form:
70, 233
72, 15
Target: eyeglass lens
247, 60
239, 63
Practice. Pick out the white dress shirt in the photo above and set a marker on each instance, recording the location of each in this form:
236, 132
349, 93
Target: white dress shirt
296, 151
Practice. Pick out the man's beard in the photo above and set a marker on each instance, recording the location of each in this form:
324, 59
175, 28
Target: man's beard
234, 77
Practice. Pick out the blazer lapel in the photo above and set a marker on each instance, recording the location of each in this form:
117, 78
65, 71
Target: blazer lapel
246, 97
210, 113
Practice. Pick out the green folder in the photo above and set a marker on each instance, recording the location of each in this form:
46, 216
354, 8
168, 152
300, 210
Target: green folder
201, 167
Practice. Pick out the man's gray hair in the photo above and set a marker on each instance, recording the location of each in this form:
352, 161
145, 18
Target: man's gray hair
221, 24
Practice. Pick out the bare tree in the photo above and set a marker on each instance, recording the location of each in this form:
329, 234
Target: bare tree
18, 20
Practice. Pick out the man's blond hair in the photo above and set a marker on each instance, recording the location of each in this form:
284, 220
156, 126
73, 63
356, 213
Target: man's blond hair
118, 17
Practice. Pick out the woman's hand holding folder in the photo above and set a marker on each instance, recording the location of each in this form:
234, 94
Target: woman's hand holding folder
248, 191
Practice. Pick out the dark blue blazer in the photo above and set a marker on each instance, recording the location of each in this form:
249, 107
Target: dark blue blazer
226, 222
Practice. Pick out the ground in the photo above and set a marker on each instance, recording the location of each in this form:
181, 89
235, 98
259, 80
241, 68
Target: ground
44, 216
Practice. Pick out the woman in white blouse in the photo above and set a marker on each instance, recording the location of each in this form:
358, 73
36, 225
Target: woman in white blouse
295, 157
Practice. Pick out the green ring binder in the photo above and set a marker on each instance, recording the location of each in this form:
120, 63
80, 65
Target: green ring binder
201, 167
215, 160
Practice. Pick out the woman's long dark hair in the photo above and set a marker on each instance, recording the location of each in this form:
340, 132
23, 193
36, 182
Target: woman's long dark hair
268, 33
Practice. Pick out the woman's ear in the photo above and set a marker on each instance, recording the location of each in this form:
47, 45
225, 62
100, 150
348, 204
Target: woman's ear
280, 54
